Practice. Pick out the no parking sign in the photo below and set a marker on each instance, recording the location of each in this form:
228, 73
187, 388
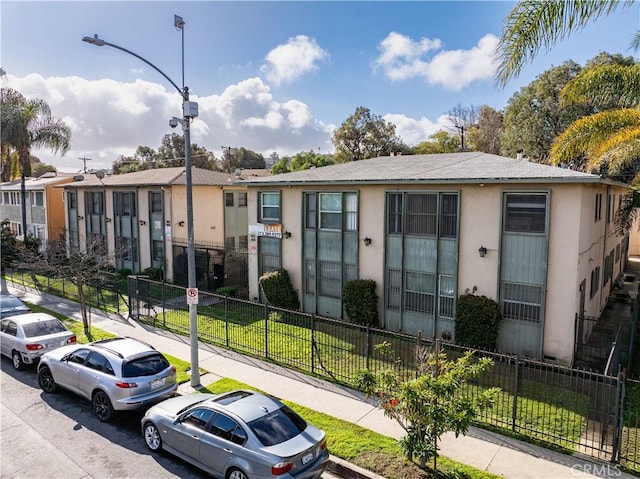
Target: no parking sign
192, 295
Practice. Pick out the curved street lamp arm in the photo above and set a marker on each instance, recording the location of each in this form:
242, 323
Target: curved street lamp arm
96, 41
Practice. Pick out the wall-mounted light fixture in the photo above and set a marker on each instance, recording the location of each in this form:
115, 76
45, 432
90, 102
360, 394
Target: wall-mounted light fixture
108, 220
181, 223
287, 234
142, 222
367, 241
483, 251
80, 217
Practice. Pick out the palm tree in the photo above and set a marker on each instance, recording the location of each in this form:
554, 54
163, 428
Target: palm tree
27, 123
608, 140
535, 25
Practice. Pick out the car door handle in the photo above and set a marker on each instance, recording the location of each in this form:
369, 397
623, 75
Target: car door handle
195, 436
226, 449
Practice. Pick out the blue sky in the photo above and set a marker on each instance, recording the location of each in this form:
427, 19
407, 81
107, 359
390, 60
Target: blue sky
268, 76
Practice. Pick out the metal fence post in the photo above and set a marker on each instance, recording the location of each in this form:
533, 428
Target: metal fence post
619, 423
366, 347
313, 342
514, 413
266, 331
226, 320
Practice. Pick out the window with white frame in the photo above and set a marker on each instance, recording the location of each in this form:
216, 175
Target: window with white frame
37, 198
331, 211
269, 207
525, 213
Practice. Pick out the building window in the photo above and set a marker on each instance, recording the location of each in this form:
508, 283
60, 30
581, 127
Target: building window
525, 213
310, 210
447, 296
598, 212
125, 204
155, 198
330, 278
11, 198
242, 198
243, 242
331, 211
617, 253
228, 199
37, 198
595, 281
95, 205
230, 243
394, 213
521, 302
157, 250
351, 212
419, 292
421, 214
72, 200
448, 215
270, 207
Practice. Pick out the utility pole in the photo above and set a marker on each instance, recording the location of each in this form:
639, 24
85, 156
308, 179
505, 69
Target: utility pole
84, 160
230, 150
461, 128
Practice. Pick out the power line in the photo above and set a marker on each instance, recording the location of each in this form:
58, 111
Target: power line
84, 160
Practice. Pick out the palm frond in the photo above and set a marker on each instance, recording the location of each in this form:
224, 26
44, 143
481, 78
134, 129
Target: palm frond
618, 152
585, 134
617, 85
635, 42
535, 25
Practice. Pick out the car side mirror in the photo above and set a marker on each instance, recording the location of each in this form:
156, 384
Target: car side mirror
64, 358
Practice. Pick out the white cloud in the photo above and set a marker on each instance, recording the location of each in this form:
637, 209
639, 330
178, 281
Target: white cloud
298, 56
401, 58
109, 118
413, 131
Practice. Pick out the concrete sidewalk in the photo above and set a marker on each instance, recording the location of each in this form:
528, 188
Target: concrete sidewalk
482, 449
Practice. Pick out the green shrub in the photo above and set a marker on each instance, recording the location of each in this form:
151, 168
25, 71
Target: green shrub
361, 301
278, 290
227, 291
155, 274
477, 321
275, 317
123, 273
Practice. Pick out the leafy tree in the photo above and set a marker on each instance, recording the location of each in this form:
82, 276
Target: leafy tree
486, 136
240, 158
439, 142
608, 140
9, 246
432, 403
535, 25
309, 159
463, 119
38, 168
27, 123
534, 116
281, 166
364, 135
82, 269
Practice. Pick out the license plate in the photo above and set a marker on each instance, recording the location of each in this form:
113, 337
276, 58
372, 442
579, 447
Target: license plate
157, 383
307, 458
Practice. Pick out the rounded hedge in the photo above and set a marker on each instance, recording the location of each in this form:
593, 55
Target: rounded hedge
477, 322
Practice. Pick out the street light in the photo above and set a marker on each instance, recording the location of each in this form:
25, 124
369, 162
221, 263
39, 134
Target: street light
189, 111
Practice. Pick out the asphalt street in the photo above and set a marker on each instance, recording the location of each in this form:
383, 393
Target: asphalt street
58, 436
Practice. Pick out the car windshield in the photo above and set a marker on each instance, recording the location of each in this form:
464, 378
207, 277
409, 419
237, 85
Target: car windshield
145, 366
42, 328
278, 426
10, 301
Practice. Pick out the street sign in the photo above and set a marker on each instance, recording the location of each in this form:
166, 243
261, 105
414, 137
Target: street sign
192, 295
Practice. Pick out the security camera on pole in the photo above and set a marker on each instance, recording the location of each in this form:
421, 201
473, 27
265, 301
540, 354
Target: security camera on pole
189, 111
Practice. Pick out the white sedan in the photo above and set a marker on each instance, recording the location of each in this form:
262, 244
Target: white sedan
26, 337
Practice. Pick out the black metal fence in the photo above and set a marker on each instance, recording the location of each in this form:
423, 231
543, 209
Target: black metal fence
578, 410
109, 294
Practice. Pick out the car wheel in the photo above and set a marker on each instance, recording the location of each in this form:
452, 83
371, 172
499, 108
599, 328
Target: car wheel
45, 380
16, 357
152, 437
236, 474
102, 406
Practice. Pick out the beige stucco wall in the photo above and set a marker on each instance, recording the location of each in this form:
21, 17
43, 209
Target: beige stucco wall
208, 213
634, 238
576, 244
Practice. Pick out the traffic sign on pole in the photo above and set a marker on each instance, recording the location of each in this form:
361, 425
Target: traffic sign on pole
192, 295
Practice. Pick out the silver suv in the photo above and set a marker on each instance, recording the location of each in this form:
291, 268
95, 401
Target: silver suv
114, 374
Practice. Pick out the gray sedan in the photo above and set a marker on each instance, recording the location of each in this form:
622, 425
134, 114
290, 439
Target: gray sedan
26, 337
237, 435
10, 306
